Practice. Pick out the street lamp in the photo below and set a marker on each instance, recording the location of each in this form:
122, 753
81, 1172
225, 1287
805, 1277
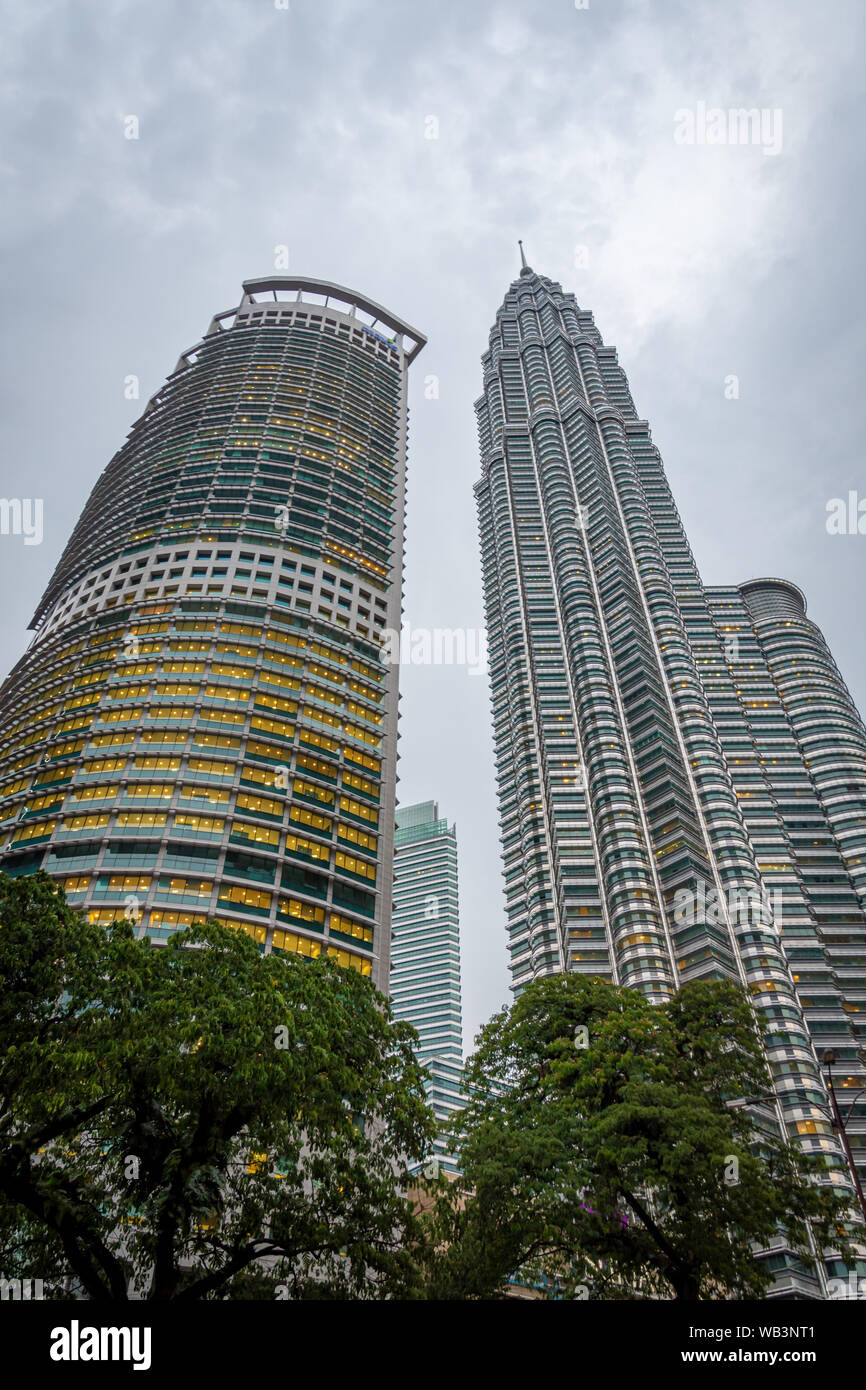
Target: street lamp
829, 1059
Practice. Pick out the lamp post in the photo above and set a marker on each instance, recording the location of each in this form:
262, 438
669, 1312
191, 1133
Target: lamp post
829, 1058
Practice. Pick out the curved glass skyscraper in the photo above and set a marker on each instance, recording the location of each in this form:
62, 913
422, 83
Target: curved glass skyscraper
202, 725
682, 772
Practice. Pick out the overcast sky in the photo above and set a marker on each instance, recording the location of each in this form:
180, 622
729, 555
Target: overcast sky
309, 127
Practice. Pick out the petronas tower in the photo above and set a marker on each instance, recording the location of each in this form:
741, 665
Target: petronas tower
681, 768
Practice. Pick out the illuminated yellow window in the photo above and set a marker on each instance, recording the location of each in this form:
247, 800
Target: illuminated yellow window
96, 765
110, 741
216, 741
249, 897
325, 673
292, 941
319, 693
195, 887
32, 832
103, 792
350, 960
75, 885
361, 713
225, 692
357, 808
357, 837
263, 775
350, 928
114, 716
141, 820
104, 916
297, 844
260, 834
322, 717
163, 736
66, 750
316, 740
272, 726
291, 907
236, 647
212, 765
128, 692
70, 725
355, 866
215, 796
92, 677
363, 759
150, 790
258, 933
173, 919
188, 644
129, 883
284, 682
375, 697
306, 817
176, 688
224, 716
180, 668
369, 671
303, 788
275, 702
233, 669
265, 750
316, 765
20, 785
39, 803
91, 822
206, 825
81, 700
264, 804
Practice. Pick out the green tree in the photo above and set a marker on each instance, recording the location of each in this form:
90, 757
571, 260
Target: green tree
601, 1156
198, 1120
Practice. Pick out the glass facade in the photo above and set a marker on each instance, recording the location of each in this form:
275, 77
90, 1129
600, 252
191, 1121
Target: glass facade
425, 953
682, 772
202, 725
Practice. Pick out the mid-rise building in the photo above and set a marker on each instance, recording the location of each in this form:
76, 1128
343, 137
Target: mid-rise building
202, 725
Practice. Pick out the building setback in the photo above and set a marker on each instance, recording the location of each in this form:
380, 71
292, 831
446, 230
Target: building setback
202, 725
425, 953
681, 769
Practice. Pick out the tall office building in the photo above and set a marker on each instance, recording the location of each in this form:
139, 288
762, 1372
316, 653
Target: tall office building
425, 953
681, 769
202, 725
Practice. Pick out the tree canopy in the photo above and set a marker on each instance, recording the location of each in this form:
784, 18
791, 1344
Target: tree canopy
602, 1156
197, 1120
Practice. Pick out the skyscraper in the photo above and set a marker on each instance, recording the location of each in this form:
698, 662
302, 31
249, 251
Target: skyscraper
681, 769
425, 952
202, 725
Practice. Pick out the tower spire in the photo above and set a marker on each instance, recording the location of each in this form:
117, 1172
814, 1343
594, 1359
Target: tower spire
523, 264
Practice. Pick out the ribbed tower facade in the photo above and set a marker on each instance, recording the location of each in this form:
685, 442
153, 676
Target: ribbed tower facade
681, 769
425, 953
202, 725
